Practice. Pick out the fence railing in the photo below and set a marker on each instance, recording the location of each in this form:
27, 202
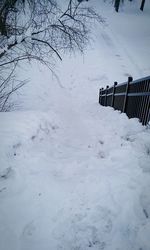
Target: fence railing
131, 97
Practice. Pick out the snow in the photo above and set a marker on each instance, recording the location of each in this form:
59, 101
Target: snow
75, 175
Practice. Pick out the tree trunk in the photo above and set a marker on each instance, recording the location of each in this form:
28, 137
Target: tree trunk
117, 3
142, 5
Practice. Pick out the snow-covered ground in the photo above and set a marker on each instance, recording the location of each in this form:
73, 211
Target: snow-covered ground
75, 175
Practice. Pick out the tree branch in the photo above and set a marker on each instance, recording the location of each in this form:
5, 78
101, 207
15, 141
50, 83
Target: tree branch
47, 43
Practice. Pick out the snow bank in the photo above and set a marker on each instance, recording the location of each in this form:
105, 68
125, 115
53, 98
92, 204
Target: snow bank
73, 183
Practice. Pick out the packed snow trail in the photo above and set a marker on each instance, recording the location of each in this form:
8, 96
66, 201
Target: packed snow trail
79, 179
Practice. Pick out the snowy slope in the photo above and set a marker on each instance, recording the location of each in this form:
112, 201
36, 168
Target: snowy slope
75, 175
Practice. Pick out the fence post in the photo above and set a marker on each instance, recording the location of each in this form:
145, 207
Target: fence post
130, 79
100, 93
105, 103
113, 94
100, 96
146, 104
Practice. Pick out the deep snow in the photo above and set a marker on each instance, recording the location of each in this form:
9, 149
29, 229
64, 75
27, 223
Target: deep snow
75, 175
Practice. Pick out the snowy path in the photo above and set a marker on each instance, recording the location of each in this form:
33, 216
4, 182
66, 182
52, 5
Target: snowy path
74, 180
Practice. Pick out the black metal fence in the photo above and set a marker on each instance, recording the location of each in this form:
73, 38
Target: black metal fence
131, 97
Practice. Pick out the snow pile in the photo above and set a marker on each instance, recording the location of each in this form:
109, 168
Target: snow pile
75, 175
73, 183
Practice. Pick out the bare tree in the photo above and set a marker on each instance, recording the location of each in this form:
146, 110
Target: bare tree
40, 30
118, 3
8, 86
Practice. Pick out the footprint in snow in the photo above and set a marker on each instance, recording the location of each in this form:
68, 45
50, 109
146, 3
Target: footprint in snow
28, 230
145, 204
101, 142
101, 155
2, 189
16, 148
6, 173
117, 55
